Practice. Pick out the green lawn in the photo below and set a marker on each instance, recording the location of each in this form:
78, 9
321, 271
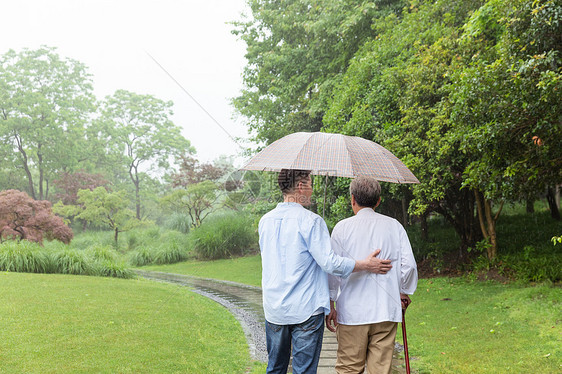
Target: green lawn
456, 326
245, 270
79, 324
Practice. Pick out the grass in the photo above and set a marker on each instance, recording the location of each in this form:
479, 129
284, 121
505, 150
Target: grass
74, 324
245, 270
458, 326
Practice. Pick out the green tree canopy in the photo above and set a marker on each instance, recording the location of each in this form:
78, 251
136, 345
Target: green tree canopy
141, 135
45, 103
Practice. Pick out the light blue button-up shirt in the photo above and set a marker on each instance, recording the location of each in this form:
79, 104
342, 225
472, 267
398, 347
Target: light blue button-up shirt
296, 255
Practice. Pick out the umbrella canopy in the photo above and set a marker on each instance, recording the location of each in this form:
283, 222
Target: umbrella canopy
332, 155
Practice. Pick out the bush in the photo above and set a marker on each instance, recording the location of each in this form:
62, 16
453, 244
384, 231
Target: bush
224, 236
141, 257
28, 257
174, 248
71, 261
179, 221
102, 252
25, 257
532, 265
113, 269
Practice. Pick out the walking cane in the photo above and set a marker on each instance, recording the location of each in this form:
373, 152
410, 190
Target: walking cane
406, 357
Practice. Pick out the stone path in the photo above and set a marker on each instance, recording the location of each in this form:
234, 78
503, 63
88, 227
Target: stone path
245, 303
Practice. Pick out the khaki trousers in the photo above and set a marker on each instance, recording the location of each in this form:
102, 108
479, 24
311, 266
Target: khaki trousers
372, 344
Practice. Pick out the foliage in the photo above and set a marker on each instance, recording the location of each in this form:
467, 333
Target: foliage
70, 261
29, 257
25, 256
24, 218
196, 200
107, 268
532, 265
70, 183
107, 209
45, 102
170, 254
223, 236
102, 252
178, 221
296, 51
191, 171
141, 256
140, 132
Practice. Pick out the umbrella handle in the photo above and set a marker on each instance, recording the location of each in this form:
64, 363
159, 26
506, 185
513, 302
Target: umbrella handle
406, 357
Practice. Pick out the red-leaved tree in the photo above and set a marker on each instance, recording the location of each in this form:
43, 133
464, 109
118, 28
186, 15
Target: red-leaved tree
21, 217
70, 183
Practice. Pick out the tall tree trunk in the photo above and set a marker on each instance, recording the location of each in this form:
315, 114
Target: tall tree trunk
551, 198
40, 166
116, 236
26, 168
134, 173
488, 222
530, 206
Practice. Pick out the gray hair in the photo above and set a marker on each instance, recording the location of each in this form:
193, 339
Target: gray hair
366, 190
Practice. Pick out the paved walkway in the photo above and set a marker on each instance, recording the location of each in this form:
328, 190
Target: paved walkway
245, 303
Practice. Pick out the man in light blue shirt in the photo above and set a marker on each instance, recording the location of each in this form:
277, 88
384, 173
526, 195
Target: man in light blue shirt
296, 255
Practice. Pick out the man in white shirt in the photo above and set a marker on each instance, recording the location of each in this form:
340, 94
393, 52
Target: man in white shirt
369, 306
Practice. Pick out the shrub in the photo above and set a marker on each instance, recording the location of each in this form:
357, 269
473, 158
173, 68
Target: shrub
24, 218
171, 253
532, 265
224, 236
179, 221
29, 257
72, 261
102, 252
25, 257
113, 269
141, 257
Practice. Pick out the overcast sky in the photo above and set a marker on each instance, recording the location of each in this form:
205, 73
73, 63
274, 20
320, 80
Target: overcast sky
115, 39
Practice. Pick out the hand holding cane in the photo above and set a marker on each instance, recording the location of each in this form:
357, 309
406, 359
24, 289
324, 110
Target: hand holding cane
405, 302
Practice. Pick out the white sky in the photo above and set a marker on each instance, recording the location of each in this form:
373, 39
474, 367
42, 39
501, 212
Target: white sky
189, 38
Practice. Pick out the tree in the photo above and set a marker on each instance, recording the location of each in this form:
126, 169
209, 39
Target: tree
141, 133
507, 105
25, 218
198, 200
192, 171
296, 51
396, 91
45, 102
69, 184
107, 209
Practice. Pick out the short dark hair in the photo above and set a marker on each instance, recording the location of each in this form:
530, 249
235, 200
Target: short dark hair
366, 190
289, 178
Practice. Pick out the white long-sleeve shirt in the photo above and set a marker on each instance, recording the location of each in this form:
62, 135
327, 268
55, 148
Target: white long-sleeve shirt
365, 298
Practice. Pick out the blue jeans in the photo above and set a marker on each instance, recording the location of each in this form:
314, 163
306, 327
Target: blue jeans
306, 340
